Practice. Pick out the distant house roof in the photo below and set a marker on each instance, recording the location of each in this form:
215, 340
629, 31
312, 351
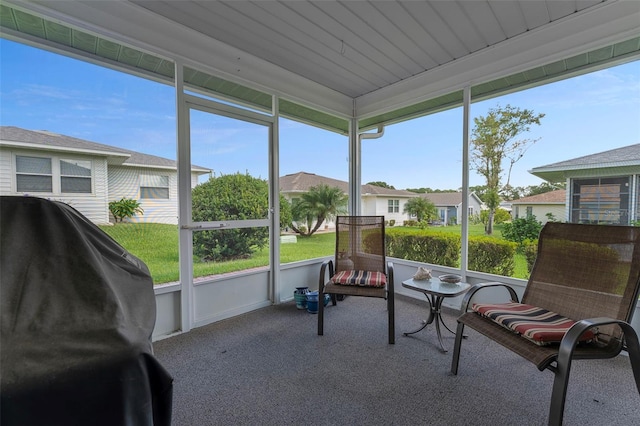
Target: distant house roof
551, 197
447, 198
40, 139
303, 181
628, 156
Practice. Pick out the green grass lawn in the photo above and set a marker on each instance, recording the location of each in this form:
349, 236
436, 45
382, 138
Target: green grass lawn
157, 246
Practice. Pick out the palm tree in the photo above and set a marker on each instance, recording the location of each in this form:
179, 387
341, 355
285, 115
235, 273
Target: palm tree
321, 203
421, 208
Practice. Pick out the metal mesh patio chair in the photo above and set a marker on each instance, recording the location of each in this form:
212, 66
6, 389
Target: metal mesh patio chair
359, 267
588, 275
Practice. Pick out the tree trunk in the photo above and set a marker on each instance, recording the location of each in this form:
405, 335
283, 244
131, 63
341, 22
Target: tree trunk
319, 221
489, 228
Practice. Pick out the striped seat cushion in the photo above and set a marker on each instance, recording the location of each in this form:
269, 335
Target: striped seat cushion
540, 326
361, 278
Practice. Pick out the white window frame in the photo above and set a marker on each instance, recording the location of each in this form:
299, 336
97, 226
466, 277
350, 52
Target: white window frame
148, 189
89, 177
56, 175
393, 206
595, 210
20, 173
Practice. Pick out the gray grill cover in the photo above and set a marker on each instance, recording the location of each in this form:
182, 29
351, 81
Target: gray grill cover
77, 315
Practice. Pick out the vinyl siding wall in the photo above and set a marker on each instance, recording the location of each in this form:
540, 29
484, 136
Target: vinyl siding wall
124, 182
382, 206
93, 205
539, 211
5, 172
368, 206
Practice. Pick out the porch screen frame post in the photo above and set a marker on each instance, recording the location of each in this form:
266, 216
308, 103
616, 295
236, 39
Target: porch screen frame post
355, 169
185, 243
464, 255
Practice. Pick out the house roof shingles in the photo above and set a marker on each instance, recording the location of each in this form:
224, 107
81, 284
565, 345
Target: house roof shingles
627, 156
444, 198
302, 181
35, 139
551, 197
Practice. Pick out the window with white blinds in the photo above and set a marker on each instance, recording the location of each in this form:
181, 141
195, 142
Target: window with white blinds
75, 176
154, 187
53, 175
34, 174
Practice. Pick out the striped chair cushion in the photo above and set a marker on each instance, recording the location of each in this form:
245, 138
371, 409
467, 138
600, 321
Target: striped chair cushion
540, 326
361, 278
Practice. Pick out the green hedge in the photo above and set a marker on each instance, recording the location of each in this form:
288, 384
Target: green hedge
486, 254
437, 248
491, 256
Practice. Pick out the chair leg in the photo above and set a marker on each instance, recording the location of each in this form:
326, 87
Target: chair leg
633, 349
321, 310
392, 318
559, 392
456, 348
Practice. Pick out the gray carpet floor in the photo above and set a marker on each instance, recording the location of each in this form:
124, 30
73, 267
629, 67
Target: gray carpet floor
269, 367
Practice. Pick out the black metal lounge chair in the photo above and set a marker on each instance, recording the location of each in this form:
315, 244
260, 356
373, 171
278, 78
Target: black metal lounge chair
588, 276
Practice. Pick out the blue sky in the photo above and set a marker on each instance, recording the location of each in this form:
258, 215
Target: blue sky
44, 91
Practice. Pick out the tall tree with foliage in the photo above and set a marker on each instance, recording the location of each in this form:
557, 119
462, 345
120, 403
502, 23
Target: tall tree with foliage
479, 190
543, 188
494, 141
421, 208
321, 203
381, 184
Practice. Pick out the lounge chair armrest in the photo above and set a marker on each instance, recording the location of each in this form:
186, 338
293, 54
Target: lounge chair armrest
466, 300
572, 337
323, 271
390, 286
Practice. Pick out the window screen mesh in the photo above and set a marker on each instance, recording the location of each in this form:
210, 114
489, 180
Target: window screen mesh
33, 165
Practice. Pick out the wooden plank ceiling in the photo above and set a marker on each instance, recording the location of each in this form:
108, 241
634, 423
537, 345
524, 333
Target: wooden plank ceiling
358, 47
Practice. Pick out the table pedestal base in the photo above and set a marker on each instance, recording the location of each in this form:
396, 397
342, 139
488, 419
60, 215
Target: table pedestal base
435, 315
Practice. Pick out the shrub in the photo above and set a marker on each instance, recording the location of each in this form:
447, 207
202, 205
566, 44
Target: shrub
410, 223
285, 213
370, 241
475, 219
491, 255
124, 208
530, 249
437, 248
522, 229
501, 216
230, 197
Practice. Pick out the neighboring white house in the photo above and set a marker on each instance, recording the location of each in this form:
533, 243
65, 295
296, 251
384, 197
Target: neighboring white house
603, 187
449, 205
375, 201
552, 202
379, 201
88, 175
